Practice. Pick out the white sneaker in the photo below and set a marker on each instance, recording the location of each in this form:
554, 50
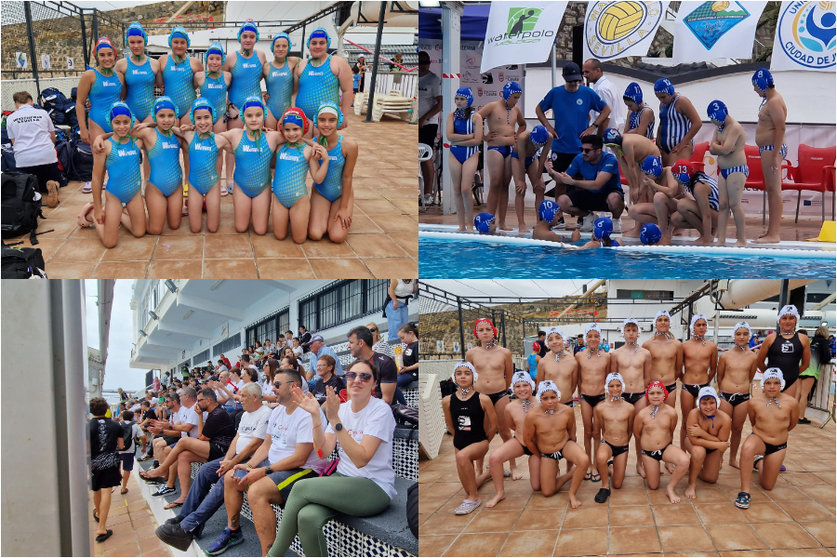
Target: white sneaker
428, 199
585, 226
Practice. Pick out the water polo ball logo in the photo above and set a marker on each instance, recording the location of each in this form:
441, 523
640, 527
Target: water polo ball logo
808, 33
620, 19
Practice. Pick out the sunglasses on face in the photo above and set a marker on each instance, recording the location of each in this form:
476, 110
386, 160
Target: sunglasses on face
277, 384
362, 376
375, 329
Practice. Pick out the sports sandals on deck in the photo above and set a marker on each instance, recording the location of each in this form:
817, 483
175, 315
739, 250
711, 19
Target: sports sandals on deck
743, 500
602, 496
467, 506
104, 536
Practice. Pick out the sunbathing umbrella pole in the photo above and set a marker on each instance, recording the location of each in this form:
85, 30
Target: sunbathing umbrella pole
375, 58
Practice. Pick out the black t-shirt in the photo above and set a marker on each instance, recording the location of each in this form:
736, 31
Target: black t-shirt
104, 434
411, 356
542, 345
305, 338
387, 371
219, 427
335, 382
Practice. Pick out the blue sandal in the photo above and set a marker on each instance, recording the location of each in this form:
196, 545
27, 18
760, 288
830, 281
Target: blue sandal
743, 500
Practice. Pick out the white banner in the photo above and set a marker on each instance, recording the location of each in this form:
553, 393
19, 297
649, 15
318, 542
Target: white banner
805, 37
618, 29
485, 86
706, 30
520, 32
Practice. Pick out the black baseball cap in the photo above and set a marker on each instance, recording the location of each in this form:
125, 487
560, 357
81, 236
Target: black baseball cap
571, 72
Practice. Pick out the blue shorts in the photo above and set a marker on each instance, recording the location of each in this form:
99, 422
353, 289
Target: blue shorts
740, 168
127, 461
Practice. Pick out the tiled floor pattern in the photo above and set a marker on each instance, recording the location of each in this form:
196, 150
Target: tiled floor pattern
796, 518
132, 524
382, 242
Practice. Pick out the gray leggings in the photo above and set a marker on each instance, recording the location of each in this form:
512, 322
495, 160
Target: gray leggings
313, 501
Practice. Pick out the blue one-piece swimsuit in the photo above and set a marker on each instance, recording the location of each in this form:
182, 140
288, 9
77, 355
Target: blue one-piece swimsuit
164, 158
178, 79
246, 76
252, 165
105, 91
332, 186
214, 90
123, 166
203, 158
289, 178
317, 84
139, 82
280, 86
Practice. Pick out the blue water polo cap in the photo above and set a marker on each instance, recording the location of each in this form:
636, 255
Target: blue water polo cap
663, 85
282, 35
136, 30
215, 48
762, 79
180, 32
650, 233
602, 228
331, 107
293, 118
652, 165
717, 111
465, 92
482, 222
253, 101
161, 103
539, 135
547, 210
612, 136
248, 26
633, 92
201, 104
319, 33
119, 108
510, 88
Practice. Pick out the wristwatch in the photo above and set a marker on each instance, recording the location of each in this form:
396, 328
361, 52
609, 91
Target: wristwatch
268, 470
338, 427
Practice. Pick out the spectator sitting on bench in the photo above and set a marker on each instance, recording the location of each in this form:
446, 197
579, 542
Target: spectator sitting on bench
285, 457
183, 422
364, 483
213, 440
202, 502
360, 346
327, 377
319, 348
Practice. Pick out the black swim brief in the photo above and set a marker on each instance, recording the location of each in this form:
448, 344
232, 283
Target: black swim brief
593, 400
671, 387
526, 450
617, 450
694, 389
770, 448
495, 397
656, 454
632, 398
570, 403
735, 399
556, 455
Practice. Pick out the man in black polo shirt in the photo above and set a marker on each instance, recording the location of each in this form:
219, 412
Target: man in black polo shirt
542, 342
214, 437
360, 346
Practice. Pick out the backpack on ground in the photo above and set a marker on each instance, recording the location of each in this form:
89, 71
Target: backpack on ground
22, 263
21, 205
82, 162
61, 110
64, 150
8, 161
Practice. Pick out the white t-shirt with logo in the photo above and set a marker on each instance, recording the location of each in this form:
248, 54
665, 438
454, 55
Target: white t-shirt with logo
286, 431
373, 420
252, 425
184, 415
30, 128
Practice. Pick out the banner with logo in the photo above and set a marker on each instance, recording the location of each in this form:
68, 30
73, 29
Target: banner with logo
486, 86
805, 37
520, 32
618, 29
706, 30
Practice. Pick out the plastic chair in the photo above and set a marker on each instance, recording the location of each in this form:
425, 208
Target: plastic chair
756, 179
814, 172
698, 154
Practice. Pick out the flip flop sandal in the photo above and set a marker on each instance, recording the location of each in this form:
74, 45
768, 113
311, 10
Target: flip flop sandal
123, 491
467, 506
596, 477
172, 505
96, 515
743, 500
87, 188
588, 476
782, 469
104, 536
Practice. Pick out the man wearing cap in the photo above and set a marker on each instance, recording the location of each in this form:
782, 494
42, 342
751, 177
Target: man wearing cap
528, 159
630, 151
594, 174
318, 349
707, 438
679, 123
505, 122
598, 82
571, 104
770, 137
728, 145
361, 68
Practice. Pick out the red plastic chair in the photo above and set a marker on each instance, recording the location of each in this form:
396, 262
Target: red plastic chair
698, 155
814, 172
756, 179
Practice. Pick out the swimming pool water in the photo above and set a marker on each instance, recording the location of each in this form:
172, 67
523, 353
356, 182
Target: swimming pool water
485, 260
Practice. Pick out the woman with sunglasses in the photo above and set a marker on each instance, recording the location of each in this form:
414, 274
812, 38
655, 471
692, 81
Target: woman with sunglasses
364, 483
327, 378
379, 345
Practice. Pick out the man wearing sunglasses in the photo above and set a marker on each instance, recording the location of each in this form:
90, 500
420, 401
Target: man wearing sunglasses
360, 346
594, 174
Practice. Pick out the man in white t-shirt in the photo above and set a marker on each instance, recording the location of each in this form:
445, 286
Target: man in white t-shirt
33, 136
598, 82
183, 422
430, 105
285, 457
202, 502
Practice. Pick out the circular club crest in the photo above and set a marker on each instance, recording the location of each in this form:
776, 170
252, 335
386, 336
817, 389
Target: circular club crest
611, 28
807, 33
579, 102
